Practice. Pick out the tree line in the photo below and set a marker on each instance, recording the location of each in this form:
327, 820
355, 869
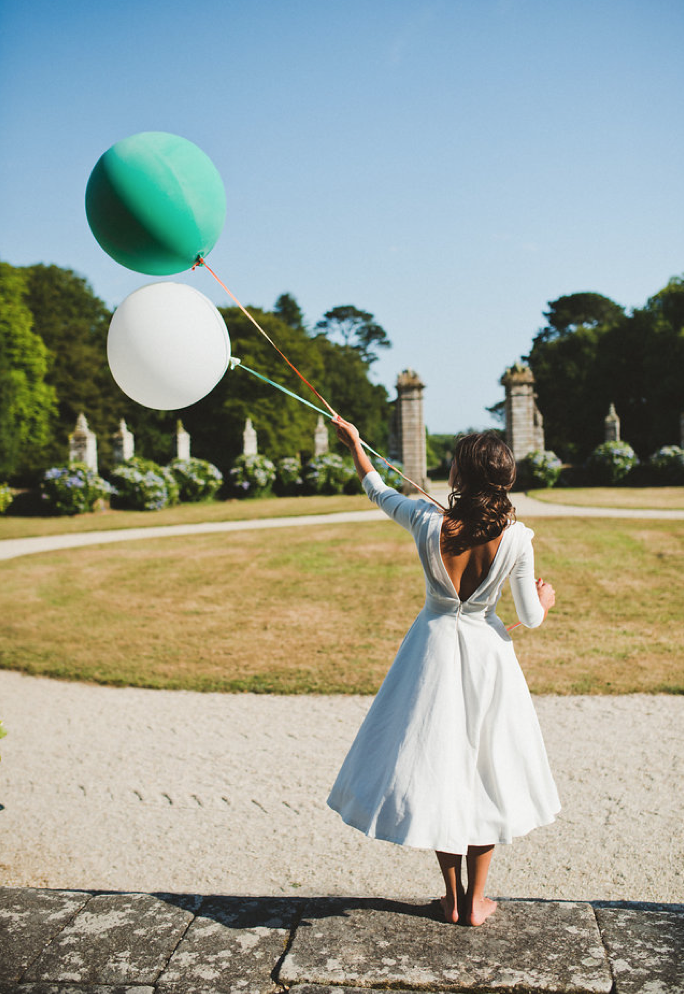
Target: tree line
53, 364
591, 352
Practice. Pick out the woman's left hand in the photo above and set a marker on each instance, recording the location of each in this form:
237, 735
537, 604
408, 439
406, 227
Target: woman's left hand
347, 433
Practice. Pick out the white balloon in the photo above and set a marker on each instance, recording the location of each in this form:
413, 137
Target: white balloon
168, 346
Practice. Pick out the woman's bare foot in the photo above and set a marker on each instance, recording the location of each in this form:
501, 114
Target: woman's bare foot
481, 909
450, 910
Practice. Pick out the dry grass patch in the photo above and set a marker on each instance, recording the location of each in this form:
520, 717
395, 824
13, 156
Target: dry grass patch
323, 609
632, 498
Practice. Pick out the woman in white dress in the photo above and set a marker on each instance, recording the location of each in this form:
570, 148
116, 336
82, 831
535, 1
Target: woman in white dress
450, 756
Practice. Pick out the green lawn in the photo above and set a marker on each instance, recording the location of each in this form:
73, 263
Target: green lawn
323, 609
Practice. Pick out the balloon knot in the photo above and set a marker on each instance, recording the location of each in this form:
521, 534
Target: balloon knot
199, 261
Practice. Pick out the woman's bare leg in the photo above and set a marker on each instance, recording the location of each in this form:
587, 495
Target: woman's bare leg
479, 907
450, 865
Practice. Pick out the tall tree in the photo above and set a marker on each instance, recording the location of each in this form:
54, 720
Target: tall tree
27, 402
73, 324
357, 329
578, 310
592, 354
288, 310
351, 393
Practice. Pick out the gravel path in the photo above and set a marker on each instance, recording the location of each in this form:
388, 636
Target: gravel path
207, 793
526, 507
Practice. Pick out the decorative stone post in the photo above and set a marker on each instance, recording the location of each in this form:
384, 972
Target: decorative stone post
249, 439
83, 444
321, 441
123, 444
524, 423
182, 442
408, 432
611, 426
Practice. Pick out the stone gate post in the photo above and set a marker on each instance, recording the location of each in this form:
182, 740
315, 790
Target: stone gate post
524, 423
409, 429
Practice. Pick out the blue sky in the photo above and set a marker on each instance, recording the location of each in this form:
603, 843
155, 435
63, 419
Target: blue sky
448, 165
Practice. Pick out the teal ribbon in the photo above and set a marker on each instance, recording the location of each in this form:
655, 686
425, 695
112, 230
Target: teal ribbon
236, 364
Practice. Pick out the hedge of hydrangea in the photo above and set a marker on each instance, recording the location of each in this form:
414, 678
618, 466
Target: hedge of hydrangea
142, 485
667, 464
610, 462
73, 489
6, 497
541, 469
252, 476
197, 479
289, 480
329, 474
390, 475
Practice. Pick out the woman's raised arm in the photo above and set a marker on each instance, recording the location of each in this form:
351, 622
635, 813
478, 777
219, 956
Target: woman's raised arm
348, 434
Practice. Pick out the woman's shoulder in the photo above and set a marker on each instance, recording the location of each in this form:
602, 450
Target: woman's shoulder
520, 531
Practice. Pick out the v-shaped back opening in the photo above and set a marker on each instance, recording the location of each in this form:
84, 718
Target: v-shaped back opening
485, 574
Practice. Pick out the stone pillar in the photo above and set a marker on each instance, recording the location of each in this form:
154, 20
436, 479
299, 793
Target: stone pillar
83, 444
249, 439
321, 440
409, 429
611, 426
524, 423
182, 442
123, 443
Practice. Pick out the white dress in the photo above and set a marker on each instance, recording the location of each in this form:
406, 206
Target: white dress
450, 753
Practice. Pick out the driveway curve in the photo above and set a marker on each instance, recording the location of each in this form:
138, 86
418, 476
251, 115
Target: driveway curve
526, 507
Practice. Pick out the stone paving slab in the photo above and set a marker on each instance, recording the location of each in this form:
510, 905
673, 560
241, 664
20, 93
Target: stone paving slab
64, 942
115, 939
527, 945
317, 989
29, 920
47, 988
646, 949
233, 945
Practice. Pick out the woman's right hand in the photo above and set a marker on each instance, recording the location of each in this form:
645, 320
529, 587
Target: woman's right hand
546, 594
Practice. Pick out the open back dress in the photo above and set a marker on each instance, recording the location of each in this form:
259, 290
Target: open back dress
450, 753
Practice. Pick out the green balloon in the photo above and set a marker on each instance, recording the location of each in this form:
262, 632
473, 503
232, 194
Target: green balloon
155, 202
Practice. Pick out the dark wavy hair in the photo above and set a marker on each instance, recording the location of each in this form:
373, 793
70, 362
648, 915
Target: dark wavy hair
482, 474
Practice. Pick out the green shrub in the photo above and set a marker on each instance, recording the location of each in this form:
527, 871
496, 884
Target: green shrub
610, 462
197, 479
388, 474
252, 476
289, 480
142, 485
541, 469
329, 474
6, 497
667, 465
73, 489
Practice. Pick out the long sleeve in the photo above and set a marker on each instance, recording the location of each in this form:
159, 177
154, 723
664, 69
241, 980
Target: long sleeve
404, 510
525, 597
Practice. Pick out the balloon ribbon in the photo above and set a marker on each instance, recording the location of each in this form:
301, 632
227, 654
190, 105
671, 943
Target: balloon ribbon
331, 413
